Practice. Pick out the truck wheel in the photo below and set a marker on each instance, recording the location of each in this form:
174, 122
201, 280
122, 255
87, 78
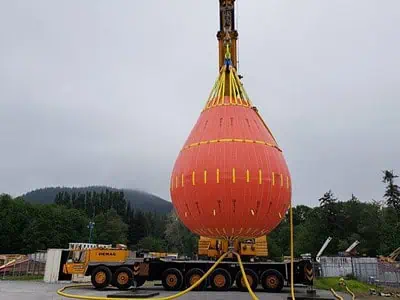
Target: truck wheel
123, 278
101, 277
220, 280
272, 281
192, 276
172, 279
252, 278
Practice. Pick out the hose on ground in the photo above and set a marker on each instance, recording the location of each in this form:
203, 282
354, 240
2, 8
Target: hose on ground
336, 295
351, 293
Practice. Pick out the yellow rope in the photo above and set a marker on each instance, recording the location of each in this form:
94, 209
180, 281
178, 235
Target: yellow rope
253, 296
336, 295
213, 90
220, 95
223, 88
230, 88
242, 88
291, 253
351, 293
236, 91
237, 94
266, 126
215, 100
343, 282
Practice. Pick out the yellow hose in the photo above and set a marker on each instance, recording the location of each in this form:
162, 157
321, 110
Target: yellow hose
336, 295
351, 293
291, 253
343, 282
253, 296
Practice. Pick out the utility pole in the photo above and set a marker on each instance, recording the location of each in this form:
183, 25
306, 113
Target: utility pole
90, 226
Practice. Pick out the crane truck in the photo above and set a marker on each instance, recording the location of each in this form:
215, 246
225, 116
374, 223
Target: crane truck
122, 268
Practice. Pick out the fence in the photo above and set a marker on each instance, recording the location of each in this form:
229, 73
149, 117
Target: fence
23, 265
366, 269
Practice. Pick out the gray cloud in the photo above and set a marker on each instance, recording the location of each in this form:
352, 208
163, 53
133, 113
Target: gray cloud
100, 92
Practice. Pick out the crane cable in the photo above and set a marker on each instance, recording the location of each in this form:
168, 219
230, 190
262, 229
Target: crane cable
77, 296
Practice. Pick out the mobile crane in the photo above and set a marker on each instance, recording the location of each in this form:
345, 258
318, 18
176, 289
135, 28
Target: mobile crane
122, 268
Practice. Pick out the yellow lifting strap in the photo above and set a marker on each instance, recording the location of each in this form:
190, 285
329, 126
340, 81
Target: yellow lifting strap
227, 52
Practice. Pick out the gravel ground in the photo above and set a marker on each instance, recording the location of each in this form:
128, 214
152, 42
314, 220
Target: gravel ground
37, 290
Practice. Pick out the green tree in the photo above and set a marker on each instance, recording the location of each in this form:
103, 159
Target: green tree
54, 227
110, 229
67, 200
392, 193
128, 213
15, 216
300, 214
179, 238
137, 228
152, 243
119, 203
310, 235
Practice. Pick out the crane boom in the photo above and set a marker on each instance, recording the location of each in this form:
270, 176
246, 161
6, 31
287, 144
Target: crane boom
328, 240
395, 254
227, 34
352, 246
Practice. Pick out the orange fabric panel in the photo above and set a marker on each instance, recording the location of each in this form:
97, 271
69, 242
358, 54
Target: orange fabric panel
247, 188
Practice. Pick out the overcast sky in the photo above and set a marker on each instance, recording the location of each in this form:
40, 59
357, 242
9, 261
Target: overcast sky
106, 92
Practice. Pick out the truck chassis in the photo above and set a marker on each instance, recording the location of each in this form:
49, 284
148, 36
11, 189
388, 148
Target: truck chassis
180, 274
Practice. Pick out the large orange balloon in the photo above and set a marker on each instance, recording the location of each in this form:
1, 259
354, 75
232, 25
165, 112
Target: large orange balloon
230, 179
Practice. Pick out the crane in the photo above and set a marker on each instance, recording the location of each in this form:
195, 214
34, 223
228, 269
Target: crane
328, 240
392, 258
352, 246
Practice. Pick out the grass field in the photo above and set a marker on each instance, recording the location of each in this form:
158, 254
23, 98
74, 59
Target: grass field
355, 286
22, 277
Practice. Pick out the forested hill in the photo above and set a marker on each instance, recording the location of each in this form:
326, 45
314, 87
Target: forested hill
139, 200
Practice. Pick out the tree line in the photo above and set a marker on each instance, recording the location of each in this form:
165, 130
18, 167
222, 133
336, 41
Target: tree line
27, 227
375, 224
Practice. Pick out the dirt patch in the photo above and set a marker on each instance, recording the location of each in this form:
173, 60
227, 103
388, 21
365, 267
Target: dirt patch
386, 290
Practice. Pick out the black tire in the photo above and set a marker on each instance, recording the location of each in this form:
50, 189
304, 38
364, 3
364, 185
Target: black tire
220, 280
122, 278
101, 277
252, 278
272, 281
192, 276
172, 279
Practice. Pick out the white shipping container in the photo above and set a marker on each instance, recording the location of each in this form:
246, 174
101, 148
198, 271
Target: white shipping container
52, 269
